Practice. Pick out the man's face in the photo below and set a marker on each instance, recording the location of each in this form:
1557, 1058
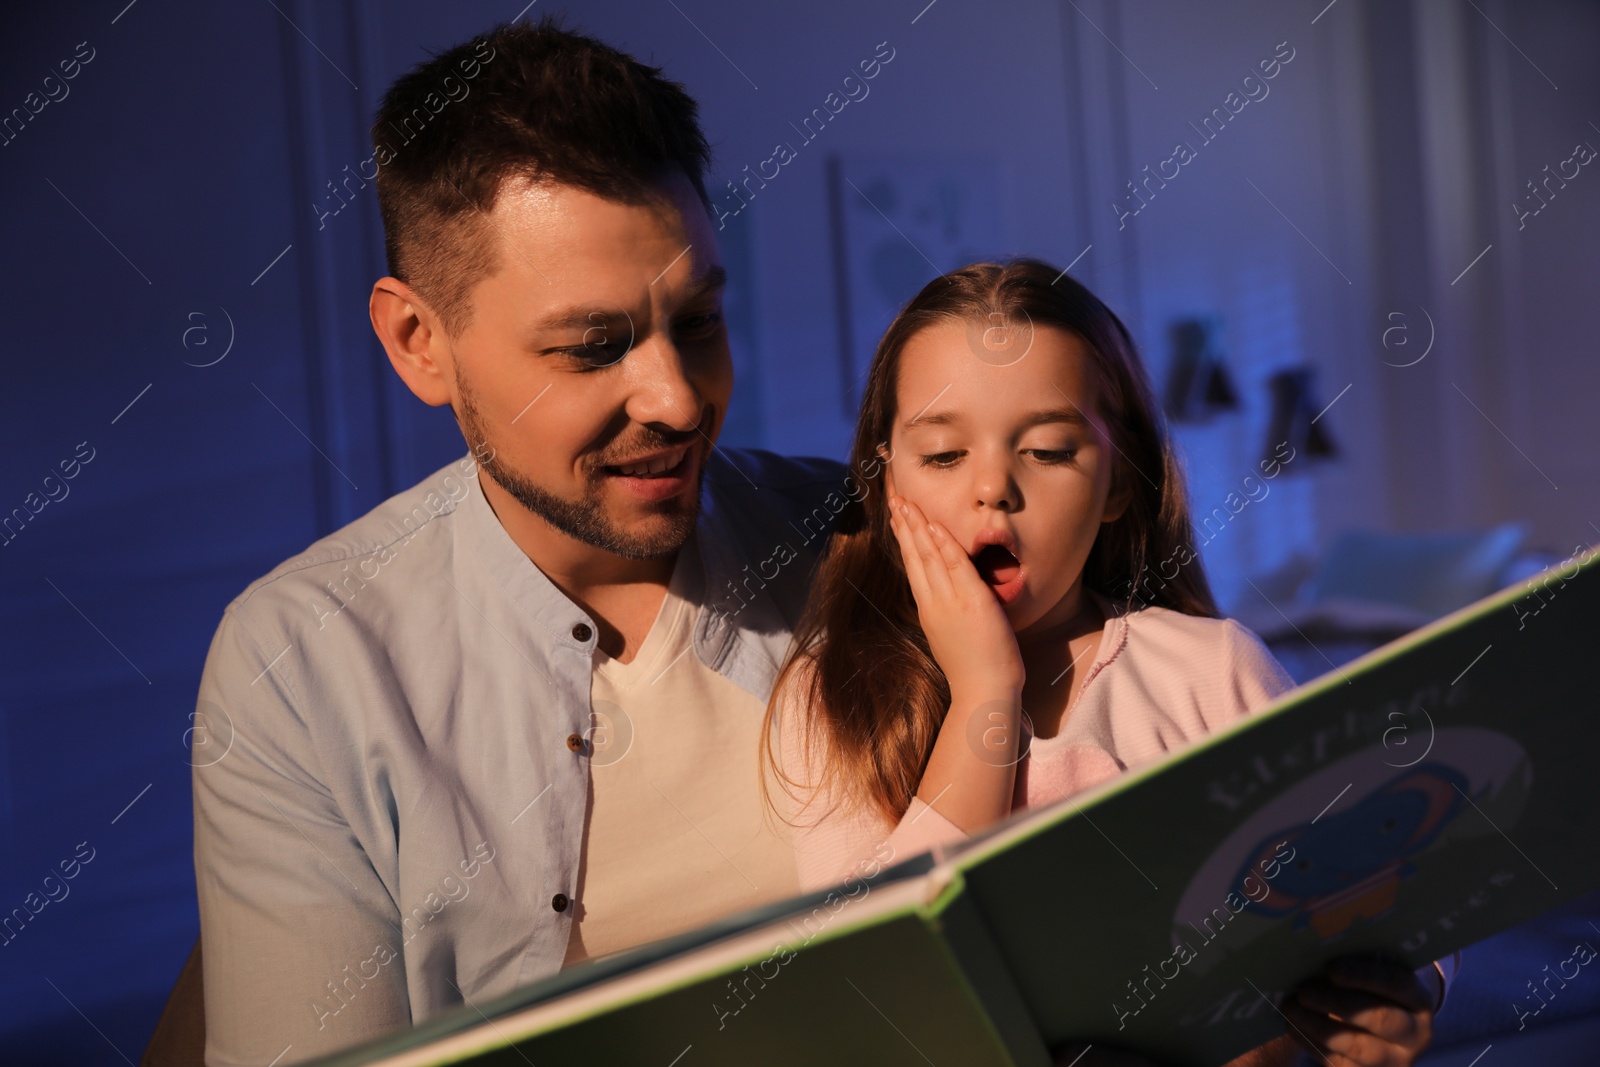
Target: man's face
594, 373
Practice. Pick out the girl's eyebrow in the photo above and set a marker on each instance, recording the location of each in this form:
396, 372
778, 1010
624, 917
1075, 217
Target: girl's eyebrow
947, 418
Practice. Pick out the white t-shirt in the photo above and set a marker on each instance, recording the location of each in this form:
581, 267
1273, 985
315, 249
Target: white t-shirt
676, 834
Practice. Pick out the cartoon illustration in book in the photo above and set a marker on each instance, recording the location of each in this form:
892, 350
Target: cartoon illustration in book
1332, 850
1349, 865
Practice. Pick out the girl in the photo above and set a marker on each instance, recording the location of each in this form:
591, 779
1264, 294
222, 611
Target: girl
1017, 617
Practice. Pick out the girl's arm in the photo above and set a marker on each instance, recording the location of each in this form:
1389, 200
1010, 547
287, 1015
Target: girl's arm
971, 772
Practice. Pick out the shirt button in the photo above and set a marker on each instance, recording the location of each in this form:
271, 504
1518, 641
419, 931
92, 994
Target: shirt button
574, 742
559, 902
581, 632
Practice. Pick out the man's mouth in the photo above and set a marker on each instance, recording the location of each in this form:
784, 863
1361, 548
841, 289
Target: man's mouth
657, 465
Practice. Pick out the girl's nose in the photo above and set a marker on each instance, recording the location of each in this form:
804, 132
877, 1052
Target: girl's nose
995, 488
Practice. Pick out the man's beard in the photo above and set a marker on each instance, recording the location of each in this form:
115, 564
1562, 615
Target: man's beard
585, 519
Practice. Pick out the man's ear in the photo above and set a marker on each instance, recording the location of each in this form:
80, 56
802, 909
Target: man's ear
408, 328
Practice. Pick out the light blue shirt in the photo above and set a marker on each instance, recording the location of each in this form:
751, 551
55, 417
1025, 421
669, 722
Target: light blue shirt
391, 769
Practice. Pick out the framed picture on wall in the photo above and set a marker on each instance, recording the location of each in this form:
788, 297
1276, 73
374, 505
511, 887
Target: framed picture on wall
898, 223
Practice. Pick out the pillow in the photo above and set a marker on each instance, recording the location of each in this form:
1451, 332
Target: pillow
1432, 573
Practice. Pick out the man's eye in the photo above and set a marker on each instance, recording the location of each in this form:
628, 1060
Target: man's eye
940, 459
699, 326
596, 351
603, 343
599, 355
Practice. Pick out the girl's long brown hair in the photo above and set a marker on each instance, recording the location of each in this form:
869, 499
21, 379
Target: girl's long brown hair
875, 693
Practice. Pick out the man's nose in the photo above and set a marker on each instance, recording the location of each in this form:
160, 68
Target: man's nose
664, 393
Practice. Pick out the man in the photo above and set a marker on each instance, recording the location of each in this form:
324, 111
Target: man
419, 806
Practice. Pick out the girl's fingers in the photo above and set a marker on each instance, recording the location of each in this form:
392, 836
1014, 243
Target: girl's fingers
1338, 1043
963, 572
909, 556
935, 572
1324, 1038
1375, 1014
946, 567
1382, 979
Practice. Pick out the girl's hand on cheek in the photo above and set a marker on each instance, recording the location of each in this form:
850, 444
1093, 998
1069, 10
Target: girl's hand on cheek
967, 628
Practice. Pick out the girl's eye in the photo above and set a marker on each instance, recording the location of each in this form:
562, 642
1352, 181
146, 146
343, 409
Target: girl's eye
1042, 455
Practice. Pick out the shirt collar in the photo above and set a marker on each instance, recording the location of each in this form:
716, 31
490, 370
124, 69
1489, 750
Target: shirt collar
509, 566
512, 570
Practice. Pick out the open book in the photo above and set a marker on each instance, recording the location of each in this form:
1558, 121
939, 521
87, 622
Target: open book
1432, 793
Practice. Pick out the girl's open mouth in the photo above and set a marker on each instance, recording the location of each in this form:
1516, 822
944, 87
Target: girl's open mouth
1000, 570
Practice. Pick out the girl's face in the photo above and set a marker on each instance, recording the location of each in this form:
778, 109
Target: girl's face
1008, 451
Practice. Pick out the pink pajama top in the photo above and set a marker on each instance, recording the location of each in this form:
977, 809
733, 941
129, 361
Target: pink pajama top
1160, 681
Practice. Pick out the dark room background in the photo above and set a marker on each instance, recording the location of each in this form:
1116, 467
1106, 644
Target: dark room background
1385, 237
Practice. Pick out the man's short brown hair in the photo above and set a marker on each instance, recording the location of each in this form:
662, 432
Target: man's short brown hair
533, 101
